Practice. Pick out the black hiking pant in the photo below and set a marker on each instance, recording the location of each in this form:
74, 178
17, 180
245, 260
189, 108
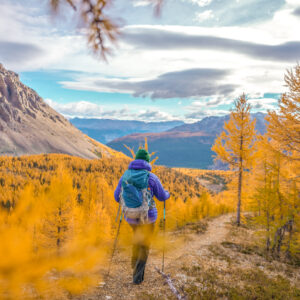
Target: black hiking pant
142, 235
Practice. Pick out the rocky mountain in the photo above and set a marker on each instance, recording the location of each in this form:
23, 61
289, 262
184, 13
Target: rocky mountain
106, 130
29, 126
188, 145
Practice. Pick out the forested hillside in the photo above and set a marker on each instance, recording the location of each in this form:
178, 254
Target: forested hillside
213, 180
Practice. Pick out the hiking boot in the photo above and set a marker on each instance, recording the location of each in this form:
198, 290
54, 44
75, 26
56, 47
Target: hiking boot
138, 273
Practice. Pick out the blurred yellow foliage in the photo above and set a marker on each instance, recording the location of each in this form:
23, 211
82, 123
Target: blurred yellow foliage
57, 217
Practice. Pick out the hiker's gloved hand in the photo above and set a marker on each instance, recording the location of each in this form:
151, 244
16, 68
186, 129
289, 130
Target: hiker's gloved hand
167, 195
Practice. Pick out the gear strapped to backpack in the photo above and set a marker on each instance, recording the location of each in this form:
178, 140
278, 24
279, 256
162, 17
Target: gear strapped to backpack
135, 197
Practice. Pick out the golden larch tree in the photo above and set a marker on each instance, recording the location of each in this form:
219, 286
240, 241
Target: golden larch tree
275, 198
284, 126
234, 145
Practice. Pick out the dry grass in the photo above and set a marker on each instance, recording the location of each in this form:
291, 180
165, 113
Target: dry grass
238, 268
223, 262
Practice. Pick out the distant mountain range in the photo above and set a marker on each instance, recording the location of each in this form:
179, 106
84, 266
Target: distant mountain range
214, 125
29, 126
187, 145
106, 130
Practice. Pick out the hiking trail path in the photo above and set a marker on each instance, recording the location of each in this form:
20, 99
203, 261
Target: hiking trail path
119, 283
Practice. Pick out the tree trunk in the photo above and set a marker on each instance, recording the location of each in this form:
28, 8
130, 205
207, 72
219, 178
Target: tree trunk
268, 242
267, 202
240, 182
279, 236
58, 229
290, 231
278, 190
238, 212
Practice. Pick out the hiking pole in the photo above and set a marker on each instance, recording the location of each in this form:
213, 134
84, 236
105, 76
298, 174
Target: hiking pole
115, 243
119, 209
164, 228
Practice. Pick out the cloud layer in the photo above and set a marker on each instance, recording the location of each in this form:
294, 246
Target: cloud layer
18, 52
296, 11
179, 84
203, 53
159, 39
86, 109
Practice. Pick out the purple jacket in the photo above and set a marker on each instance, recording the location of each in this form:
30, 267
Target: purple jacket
156, 188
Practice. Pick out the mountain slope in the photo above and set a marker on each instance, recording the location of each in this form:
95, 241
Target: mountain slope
29, 126
106, 130
214, 125
188, 145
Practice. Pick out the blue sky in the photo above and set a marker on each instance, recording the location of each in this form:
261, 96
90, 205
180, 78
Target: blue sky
192, 61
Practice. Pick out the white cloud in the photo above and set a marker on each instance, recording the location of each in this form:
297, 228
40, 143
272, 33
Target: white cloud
139, 3
203, 16
155, 115
263, 104
78, 109
208, 106
197, 115
86, 109
201, 3
33, 25
209, 102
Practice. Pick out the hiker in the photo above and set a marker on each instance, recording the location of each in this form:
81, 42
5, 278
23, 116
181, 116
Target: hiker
135, 190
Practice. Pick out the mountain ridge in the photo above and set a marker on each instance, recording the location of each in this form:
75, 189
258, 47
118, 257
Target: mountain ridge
30, 126
188, 145
106, 130
215, 124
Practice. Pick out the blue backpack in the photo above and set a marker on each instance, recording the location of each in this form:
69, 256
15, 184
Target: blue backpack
136, 198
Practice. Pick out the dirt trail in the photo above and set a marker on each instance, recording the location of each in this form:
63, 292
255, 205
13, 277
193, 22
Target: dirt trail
119, 284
